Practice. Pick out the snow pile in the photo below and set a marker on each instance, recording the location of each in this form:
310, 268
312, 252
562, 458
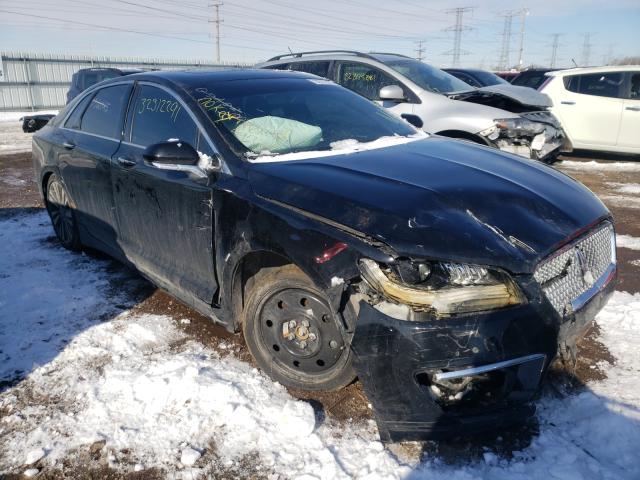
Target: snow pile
627, 241
135, 382
593, 165
630, 188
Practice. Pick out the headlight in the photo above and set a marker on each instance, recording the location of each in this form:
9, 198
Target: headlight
447, 289
519, 127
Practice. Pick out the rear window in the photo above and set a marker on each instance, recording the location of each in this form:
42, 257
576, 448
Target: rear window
597, 84
105, 111
320, 69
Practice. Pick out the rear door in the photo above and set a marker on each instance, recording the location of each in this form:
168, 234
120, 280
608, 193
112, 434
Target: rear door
630, 125
165, 217
590, 108
91, 135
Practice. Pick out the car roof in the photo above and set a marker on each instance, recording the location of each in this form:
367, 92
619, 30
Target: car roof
196, 77
381, 57
579, 70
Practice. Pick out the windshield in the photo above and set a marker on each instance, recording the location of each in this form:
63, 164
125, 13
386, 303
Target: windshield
428, 77
288, 115
488, 78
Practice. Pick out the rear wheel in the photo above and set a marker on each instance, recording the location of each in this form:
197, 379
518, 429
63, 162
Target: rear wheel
292, 333
62, 216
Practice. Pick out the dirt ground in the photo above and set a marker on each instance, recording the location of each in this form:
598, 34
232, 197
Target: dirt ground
18, 191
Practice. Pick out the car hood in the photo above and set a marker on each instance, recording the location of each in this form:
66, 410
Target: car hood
508, 97
439, 199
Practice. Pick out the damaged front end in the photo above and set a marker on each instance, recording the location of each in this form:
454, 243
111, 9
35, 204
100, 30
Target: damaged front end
536, 135
444, 349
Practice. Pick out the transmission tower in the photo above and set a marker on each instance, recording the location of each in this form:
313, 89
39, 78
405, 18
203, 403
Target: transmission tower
458, 28
503, 63
420, 50
523, 18
586, 50
554, 49
217, 21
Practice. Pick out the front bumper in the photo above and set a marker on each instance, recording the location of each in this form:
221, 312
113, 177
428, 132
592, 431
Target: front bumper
414, 372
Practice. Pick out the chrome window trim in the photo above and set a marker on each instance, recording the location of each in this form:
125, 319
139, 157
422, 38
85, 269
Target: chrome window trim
90, 134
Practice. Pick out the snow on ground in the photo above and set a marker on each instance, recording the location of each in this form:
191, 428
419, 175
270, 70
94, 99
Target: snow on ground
627, 241
135, 382
12, 138
630, 188
593, 165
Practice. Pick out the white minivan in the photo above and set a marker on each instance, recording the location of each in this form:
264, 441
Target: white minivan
599, 107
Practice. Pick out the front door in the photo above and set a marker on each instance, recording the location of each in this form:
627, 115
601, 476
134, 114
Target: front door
367, 81
165, 217
630, 124
591, 107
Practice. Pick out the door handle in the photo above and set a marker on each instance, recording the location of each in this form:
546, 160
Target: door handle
567, 102
633, 109
126, 162
68, 145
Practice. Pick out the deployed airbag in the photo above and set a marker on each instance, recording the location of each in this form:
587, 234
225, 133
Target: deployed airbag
277, 134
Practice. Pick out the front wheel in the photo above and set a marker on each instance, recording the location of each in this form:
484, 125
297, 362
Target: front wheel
62, 216
292, 333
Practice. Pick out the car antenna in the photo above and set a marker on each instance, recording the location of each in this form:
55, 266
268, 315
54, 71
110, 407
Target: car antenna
574, 62
289, 48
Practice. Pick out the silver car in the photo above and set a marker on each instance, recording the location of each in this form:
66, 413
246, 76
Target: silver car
513, 119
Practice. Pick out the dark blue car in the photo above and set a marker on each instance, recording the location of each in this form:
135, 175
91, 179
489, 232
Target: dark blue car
340, 240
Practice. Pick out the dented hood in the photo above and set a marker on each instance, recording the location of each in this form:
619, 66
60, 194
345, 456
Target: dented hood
440, 199
504, 94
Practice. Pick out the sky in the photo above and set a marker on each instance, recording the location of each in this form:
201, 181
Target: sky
255, 30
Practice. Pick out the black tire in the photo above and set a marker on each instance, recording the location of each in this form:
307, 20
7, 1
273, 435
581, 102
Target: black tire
292, 334
62, 214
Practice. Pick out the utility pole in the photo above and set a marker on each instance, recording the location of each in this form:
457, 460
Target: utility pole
523, 17
458, 28
217, 22
554, 49
420, 50
503, 63
586, 50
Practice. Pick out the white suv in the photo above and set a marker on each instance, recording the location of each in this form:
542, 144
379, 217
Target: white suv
599, 107
513, 119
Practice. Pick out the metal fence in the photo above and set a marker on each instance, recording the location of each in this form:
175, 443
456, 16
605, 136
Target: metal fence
40, 82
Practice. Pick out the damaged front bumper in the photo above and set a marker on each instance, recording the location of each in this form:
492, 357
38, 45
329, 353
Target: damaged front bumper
458, 375
544, 146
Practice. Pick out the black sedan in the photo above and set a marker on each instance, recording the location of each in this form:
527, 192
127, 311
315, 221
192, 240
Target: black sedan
476, 77
340, 240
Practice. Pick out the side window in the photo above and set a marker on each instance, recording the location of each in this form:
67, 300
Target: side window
317, 68
364, 79
635, 86
76, 116
105, 111
157, 117
597, 84
467, 79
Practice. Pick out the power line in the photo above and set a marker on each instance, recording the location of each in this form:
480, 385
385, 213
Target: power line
126, 30
458, 28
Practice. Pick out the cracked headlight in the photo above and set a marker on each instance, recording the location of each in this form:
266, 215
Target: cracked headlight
518, 127
447, 289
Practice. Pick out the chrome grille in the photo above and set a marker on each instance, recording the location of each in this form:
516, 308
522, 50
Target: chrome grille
574, 271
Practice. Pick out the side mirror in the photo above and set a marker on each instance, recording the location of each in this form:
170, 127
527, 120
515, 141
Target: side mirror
171, 153
392, 92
